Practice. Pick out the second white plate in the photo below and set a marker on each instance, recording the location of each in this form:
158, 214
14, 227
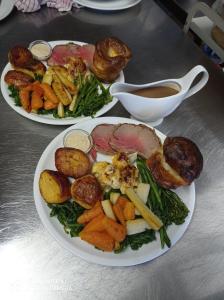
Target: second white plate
81, 248
49, 119
108, 5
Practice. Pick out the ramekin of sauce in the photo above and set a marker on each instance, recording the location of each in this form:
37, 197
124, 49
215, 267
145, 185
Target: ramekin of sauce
41, 50
78, 139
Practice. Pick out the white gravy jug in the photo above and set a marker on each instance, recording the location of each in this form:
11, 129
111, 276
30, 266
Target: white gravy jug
153, 110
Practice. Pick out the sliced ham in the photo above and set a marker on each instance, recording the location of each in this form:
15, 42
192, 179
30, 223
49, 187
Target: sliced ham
101, 136
131, 138
61, 53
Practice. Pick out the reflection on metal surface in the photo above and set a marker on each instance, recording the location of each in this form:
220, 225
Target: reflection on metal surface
32, 265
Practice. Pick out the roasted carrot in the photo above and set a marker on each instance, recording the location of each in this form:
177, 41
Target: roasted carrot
36, 87
101, 240
129, 211
90, 214
36, 101
119, 213
122, 201
49, 93
49, 105
95, 224
115, 230
24, 95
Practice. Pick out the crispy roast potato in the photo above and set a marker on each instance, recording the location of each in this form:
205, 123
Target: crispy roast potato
17, 78
86, 191
72, 162
60, 91
110, 57
21, 57
54, 187
184, 157
64, 77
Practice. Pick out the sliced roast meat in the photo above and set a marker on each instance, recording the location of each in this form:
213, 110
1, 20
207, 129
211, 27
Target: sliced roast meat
61, 53
131, 138
101, 136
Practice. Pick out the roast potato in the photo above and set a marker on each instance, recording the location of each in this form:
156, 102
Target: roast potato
184, 157
54, 187
86, 191
17, 78
21, 57
72, 162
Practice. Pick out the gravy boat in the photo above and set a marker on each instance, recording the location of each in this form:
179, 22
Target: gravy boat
153, 110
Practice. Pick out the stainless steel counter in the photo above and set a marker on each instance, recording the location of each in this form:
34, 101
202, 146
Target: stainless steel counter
32, 264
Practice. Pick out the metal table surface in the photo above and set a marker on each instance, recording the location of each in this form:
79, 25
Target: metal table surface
32, 264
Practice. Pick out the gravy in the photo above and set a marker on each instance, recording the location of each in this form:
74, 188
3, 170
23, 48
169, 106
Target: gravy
156, 92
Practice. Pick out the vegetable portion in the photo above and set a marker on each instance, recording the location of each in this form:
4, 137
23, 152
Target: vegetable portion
67, 214
164, 203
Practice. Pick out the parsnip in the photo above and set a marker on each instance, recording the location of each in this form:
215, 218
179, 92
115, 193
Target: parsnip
142, 191
153, 221
107, 208
114, 197
136, 226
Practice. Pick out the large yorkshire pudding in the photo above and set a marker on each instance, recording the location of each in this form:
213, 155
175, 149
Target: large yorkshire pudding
177, 164
110, 57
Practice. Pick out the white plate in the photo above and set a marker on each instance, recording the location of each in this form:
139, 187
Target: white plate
108, 5
83, 249
6, 6
49, 119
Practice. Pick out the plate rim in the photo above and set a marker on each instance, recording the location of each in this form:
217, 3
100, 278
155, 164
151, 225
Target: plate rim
98, 5
9, 8
51, 121
62, 239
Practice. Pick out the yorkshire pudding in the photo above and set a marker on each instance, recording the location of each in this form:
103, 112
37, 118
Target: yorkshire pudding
177, 164
110, 57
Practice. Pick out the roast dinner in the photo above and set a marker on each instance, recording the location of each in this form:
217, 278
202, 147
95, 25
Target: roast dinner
70, 81
123, 201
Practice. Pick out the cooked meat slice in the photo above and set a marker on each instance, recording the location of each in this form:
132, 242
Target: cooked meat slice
101, 136
184, 157
62, 53
72, 162
54, 187
86, 191
164, 175
17, 78
131, 138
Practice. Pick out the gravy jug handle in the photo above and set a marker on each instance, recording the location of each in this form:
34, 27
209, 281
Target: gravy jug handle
191, 75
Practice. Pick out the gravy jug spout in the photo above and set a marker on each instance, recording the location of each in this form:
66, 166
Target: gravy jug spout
187, 80
118, 88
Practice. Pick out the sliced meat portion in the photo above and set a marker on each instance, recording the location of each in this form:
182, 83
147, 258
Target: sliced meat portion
101, 136
61, 54
131, 138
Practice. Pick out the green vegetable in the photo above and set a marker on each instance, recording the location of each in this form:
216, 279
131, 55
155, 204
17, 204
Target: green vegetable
164, 203
67, 214
136, 241
92, 96
42, 111
14, 93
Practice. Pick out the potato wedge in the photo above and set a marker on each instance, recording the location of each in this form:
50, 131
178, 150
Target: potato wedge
60, 91
63, 75
72, 162
54, 187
